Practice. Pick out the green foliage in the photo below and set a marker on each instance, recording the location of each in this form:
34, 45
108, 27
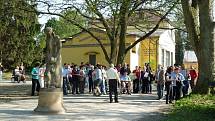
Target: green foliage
18, 29
62, 27
194, 108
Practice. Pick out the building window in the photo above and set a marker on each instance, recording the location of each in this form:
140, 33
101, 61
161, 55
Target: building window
167, 58
162, 57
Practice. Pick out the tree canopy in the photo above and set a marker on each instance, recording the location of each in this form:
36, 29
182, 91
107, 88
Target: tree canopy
64, 28
17, 31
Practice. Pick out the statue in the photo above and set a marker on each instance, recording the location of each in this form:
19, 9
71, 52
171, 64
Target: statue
53, 73
51, 97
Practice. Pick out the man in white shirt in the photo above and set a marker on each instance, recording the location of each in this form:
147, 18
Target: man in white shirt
65, 78
113, 78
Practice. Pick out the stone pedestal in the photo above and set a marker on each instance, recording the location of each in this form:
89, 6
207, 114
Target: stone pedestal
50, 101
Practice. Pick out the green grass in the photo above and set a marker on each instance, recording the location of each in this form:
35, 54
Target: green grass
193, 108
7, 75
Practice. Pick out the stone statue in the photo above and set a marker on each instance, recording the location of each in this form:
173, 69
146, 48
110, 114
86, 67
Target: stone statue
51, 98
53, 73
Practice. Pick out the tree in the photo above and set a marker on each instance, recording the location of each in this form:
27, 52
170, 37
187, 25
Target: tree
201, 29
114, 17
17, 31
179, 48
62, 27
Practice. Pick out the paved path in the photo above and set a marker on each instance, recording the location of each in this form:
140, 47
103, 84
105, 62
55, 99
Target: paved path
136, 107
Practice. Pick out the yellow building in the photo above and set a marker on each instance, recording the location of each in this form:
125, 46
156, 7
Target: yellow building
83, 48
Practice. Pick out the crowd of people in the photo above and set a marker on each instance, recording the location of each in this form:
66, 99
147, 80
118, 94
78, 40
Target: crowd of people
176, 80
100, 80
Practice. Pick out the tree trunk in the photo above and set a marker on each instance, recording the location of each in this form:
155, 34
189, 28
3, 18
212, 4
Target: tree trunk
113, 53
201, 34
123, 28
179, 49
203, 74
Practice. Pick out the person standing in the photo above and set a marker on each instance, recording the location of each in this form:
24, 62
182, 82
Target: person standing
81, 79
193, 75
114, 80
65, 79
42, 70
160, 82
104, 77
35, 79
90, 76
98, 79
177, 84
75, 80
186, 82
168, 85
136, 83
145, 81
150, 78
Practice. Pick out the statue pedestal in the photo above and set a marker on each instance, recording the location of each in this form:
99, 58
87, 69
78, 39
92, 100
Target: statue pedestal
50, 101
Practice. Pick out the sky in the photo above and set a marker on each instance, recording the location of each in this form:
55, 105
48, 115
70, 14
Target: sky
44, 18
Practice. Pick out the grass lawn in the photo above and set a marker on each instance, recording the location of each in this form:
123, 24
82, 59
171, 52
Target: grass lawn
7, 75
193, 108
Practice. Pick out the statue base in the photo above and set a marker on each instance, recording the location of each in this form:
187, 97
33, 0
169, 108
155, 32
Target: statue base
50, 101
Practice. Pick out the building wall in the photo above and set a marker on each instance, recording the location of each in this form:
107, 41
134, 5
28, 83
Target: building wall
78, 49
134, 56
148, 52
81, 54
166, 47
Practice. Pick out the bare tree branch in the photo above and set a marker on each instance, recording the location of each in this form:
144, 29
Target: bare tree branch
76, 24
151, 31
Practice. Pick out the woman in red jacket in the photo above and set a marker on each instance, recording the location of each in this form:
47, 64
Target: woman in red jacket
193, 75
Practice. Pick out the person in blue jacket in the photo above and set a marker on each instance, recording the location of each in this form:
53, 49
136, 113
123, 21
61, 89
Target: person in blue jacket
35, 79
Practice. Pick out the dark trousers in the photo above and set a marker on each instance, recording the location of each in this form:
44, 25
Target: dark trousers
113, 90
81, 85
169, 91
185, 87
69, 86
145, 85
177, 92
160, 90
35, 86
65, 83
91, 84
75, 86
136, 85
149, 87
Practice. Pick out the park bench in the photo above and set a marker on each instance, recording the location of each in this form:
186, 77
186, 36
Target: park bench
16, 78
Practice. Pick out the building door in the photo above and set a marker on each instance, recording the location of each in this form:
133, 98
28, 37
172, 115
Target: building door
92, 59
